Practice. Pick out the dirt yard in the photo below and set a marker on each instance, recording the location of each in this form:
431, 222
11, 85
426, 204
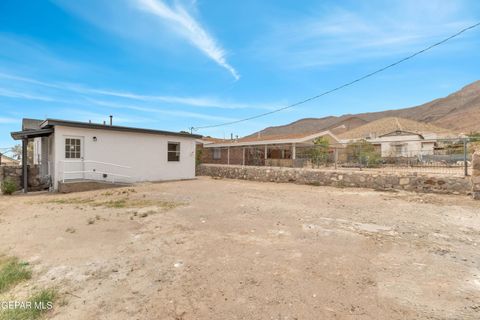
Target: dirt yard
226, 249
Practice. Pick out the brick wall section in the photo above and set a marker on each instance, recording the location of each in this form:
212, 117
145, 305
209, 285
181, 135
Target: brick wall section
476, 175
373, 180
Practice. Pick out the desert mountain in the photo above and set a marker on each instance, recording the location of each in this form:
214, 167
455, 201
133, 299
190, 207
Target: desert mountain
458, 112
386, 125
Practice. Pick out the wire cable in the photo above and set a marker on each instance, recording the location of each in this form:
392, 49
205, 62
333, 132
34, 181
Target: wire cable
343, 85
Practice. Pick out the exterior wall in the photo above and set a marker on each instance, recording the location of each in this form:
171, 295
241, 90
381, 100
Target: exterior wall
145, 154
414, 145
378, 181
236, 155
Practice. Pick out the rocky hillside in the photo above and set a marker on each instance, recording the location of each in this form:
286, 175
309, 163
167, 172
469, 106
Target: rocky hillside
458, 112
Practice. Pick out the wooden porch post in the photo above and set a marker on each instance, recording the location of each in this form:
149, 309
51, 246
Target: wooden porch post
294, 151
25, 164
243, 157
228, 155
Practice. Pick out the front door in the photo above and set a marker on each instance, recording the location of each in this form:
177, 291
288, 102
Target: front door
74, 167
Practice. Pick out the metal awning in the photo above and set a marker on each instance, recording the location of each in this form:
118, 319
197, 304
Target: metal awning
28, 134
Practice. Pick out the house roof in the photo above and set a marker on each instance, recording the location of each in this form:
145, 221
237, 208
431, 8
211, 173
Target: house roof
45, 127
400, 133
10, 159
271, 139
388, 125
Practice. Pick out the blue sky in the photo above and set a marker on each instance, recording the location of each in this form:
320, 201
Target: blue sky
175, 64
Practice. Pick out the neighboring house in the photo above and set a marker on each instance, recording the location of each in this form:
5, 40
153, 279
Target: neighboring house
405, 144
273, 150
71, 150
8, 161
398, 137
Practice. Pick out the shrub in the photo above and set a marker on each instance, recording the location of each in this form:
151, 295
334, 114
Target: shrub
363, 153
198, 157
8, 186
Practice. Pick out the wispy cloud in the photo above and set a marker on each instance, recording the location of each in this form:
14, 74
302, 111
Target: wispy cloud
207, 102
22, 95
176, 113
5, 120
84, 96
189, 28
338, 35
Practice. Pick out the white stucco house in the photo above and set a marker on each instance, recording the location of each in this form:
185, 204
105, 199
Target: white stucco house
73, 151
405, 144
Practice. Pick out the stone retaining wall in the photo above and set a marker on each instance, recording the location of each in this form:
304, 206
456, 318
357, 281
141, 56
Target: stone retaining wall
362, 179
14, 173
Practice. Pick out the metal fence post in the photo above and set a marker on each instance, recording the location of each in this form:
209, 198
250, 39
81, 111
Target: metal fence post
465, 162
336, 157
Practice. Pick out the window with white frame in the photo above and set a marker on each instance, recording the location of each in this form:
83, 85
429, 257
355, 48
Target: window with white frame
217, 153
72, 148
173, 151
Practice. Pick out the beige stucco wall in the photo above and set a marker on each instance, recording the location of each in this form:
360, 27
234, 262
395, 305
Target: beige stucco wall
146, 154
413, 145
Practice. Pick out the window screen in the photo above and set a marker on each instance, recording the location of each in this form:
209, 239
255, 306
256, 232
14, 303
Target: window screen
72, 148
173, 151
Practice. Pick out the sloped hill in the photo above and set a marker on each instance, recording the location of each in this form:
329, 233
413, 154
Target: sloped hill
389, 124
459, 112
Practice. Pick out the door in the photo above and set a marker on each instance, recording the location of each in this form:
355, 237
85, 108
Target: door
74, 166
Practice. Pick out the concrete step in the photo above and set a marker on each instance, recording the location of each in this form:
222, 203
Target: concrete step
87, 185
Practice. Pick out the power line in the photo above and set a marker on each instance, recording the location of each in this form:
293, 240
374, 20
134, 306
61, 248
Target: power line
343, 85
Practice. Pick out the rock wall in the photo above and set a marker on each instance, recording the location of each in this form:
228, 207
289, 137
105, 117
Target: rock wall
14, 173
362, 179
476, 175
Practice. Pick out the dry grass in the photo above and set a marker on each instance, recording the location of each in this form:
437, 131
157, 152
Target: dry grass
116, 203
12, 272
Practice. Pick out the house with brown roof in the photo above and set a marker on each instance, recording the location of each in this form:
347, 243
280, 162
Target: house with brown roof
270, 150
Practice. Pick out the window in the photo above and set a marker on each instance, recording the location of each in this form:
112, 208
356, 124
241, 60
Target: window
72, 148
217, 154
174, 151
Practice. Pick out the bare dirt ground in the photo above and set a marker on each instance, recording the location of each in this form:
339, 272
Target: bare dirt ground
227, 249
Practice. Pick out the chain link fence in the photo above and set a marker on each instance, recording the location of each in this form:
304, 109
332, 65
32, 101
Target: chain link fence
448, 156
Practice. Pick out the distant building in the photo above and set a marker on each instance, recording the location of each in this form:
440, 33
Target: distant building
398, 137
273, 150
8, 161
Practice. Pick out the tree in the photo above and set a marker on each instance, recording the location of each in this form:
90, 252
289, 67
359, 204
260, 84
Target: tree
319, 154
17, 151
363, 153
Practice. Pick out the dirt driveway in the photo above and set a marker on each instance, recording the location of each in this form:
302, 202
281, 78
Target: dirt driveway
227, 249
